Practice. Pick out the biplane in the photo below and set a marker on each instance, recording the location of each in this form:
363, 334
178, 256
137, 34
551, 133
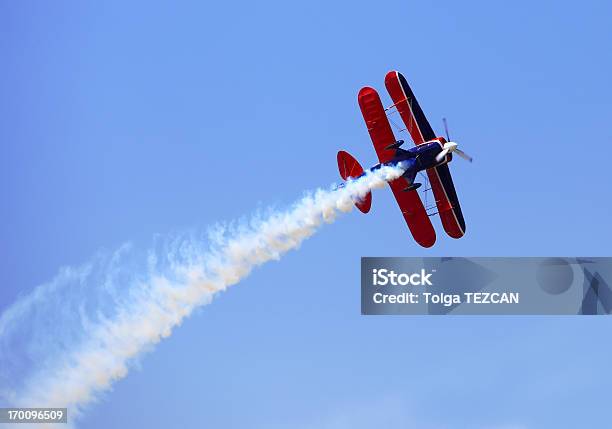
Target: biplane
430, 154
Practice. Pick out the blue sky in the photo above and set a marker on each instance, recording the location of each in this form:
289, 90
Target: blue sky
121, 121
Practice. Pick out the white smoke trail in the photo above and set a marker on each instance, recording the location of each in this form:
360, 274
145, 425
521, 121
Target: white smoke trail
93, 346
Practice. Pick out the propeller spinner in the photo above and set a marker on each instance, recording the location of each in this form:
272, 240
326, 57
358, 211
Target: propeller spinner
452, 147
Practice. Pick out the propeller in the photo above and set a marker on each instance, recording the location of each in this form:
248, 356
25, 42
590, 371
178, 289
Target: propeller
451, 146
446, 129
464, 155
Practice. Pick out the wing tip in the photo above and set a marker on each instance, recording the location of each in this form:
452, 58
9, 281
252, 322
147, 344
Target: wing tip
426, 244
456, 234
391, 74
366, 91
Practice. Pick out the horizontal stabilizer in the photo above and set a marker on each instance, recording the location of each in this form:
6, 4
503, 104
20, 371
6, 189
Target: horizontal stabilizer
351, 169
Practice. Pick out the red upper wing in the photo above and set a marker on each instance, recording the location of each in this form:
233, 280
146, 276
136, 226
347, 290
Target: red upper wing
420, 130
382, 136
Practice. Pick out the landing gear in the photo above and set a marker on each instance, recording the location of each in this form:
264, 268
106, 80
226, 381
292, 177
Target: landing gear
412, 187
395, 145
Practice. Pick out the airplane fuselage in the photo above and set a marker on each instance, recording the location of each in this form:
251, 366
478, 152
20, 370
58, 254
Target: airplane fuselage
418, 158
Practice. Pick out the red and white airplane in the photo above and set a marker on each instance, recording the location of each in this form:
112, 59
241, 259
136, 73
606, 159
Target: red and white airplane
431, 154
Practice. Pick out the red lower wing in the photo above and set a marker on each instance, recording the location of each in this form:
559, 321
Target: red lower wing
414, 213
377, 123
382, 136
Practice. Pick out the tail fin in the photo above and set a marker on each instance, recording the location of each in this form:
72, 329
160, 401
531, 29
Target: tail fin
350, 168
